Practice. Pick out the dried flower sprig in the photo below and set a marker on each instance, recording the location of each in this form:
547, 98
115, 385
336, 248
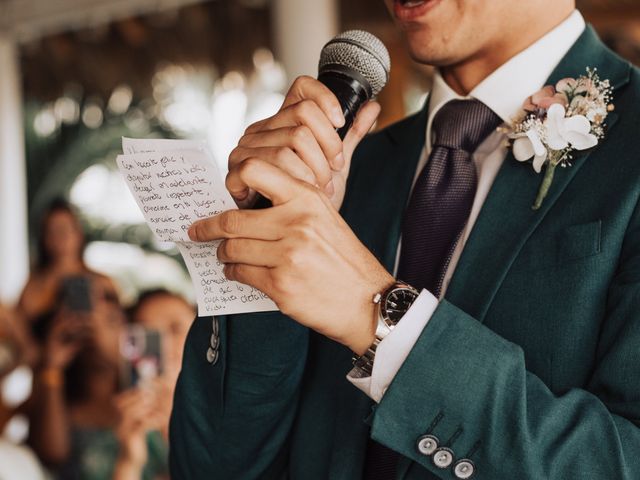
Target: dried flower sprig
559, 120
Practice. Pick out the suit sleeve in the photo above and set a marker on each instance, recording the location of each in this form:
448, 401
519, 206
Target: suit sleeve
470, 388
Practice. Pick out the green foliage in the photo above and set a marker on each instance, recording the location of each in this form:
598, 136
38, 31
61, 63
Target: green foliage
54, 162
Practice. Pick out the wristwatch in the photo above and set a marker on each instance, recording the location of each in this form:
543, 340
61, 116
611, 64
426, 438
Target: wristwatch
393, 303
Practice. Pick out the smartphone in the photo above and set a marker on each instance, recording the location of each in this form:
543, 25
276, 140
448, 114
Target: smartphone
141, 351
75, 293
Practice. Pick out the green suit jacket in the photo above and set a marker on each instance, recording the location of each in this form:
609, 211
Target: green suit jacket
531, 365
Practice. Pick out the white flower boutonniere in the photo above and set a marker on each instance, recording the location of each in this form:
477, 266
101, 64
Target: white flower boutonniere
557, 121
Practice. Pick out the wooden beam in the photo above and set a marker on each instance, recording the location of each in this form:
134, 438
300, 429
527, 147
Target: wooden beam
28, 20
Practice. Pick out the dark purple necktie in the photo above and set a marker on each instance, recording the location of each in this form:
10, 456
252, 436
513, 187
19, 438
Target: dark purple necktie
437, 212
442, 197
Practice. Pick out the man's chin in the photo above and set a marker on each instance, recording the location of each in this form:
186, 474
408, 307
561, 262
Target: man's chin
425, 50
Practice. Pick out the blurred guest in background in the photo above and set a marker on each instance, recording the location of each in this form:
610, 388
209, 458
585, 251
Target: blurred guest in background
171, 315
9, 357
60, 249
82, 425
15, 461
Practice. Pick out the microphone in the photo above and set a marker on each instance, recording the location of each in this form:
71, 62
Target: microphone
355, 66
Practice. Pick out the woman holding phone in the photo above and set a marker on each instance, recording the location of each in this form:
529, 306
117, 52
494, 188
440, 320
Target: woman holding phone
60, 269
83, 425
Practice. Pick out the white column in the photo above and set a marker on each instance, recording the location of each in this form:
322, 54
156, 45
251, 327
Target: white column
301, 28
14, 251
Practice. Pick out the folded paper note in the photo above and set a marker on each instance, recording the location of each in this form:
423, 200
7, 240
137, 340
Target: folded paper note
175, 183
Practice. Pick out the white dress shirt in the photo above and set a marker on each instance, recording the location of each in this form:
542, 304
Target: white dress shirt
504, 91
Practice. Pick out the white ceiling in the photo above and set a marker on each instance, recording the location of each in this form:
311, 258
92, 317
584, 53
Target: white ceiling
27, 20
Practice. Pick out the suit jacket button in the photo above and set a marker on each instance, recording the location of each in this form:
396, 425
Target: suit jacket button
215, 341
442, 458
427, 444
215, 326
212, 356
464, 469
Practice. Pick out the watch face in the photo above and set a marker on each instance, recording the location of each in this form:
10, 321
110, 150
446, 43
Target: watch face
397, 302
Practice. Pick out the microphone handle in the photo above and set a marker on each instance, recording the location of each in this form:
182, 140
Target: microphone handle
351, 90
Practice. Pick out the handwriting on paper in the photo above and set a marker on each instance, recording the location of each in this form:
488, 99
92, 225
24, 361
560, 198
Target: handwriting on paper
217, 293
175, 183
174, 189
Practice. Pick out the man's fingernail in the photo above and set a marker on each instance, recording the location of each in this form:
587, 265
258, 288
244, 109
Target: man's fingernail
240, 196
330, 189
338, 162
337, 117
192, 233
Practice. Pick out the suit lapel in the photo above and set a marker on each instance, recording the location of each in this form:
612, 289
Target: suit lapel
506, 220
386, 174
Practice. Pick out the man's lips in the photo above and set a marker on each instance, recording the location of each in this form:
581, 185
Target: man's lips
407, 10
411, 3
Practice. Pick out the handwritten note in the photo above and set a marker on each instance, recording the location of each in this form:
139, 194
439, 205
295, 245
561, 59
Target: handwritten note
174, 189
217, 293
175, 183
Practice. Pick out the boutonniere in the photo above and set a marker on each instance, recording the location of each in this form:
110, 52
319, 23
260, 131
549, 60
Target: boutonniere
559, 120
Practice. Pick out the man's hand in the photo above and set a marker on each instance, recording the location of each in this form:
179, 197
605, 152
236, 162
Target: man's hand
301, 140
301, 253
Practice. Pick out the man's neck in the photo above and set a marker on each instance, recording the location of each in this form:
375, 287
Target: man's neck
464, 76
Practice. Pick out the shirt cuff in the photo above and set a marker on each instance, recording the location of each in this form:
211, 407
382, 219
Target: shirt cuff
395, 348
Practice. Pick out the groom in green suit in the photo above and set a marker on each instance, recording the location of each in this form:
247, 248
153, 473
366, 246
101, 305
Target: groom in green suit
513, 349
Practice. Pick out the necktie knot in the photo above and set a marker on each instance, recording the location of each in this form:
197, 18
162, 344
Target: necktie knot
463, 125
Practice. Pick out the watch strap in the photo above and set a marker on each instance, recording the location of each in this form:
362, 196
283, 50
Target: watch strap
364, 363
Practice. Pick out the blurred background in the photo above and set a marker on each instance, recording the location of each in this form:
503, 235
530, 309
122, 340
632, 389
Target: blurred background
76, 76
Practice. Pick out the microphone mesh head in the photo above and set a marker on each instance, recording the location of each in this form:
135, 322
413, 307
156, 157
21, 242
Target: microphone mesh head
361, 51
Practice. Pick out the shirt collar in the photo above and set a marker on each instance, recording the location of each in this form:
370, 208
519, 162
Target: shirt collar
506, 89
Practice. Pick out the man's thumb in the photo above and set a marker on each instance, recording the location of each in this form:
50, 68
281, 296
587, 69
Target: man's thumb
364, 121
